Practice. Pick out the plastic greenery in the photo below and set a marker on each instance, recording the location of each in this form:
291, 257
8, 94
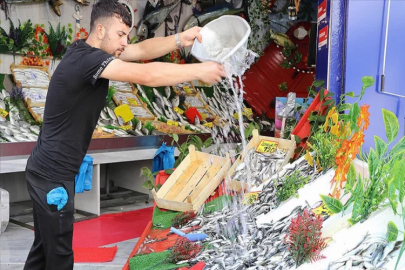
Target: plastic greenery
290, 185
18, 37
59, 39
191, 140
304, 238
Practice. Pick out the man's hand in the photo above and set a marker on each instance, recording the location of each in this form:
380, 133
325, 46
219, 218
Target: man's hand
210, 72
187, 37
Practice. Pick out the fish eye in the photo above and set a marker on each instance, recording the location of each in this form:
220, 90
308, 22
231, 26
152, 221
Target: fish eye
143, 30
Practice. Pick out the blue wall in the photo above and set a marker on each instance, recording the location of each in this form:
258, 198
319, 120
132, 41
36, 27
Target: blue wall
364, 52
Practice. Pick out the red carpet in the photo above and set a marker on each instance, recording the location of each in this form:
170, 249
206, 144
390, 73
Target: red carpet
111, 228
106, 254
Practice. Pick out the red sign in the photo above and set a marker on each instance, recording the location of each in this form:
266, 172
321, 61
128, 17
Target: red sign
322, 11
323, 37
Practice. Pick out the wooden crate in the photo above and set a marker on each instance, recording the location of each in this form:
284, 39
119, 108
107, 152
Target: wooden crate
13, 66
167, 129
178, 89
198, 98
133, 91
289, 145
99, 133
145, 106
193, 181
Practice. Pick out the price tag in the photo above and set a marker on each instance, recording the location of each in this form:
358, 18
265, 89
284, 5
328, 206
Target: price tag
3, 113
204, 116
250, 198
187, 89
209, 124
132, 101
177, 109
322, 210
236, 116
172, 123
248, 112
267, 147
126, 127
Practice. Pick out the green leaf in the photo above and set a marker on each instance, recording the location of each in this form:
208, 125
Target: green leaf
391, 125
148, 184
358, 199
350, 94
321, 118
198, 143
158, 186
169, 171
318, 83
380, 146
208, 142
297, 139
372, 163
328, 102
367, 82
399, 146
351, 176
333, 205
392, 196
175, 137
400, 252
321, 94
329, 95
354, 114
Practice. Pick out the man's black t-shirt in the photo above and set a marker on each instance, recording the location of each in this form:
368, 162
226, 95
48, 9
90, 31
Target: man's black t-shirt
75, 98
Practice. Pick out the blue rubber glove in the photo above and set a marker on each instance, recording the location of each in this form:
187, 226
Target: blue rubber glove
57, 196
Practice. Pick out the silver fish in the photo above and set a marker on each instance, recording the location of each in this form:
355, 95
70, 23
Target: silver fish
103, 115
2, 105
111, 113
167, 92
196, 120
145, 131
139, 125
121, 121
175, 101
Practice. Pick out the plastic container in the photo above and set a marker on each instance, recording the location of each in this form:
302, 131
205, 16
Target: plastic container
230, 28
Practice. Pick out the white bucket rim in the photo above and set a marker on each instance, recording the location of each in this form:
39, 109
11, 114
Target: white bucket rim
237, 47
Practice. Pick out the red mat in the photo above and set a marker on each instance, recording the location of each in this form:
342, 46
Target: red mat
111, 228
105, 254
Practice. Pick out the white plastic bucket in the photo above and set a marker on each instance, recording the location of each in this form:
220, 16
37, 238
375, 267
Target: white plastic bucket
228, 27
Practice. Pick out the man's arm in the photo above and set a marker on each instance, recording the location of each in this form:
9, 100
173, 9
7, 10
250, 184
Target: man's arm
159, 46
162, 74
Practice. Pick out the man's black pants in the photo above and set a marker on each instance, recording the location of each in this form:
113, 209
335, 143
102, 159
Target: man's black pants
52, 247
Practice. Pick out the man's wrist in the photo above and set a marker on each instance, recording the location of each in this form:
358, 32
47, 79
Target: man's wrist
177, 39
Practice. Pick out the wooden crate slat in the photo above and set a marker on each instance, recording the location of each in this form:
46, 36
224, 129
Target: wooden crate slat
182, 180
173, 177
210, 187
254, 142
211, 173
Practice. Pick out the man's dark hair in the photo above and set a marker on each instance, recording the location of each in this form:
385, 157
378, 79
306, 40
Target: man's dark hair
106, 9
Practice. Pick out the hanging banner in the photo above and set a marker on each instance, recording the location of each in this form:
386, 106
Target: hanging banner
322, 11
323, 38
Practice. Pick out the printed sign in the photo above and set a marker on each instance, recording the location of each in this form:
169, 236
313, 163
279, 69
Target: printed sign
172, 123
267, 147
177, 109
126, 127
132, 101
322, 210
3, 113
250, 198
322, 11
209, 124
187, 90
323, 38
204, 116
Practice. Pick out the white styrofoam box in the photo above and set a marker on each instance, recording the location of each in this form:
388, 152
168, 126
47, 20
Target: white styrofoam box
4, 209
